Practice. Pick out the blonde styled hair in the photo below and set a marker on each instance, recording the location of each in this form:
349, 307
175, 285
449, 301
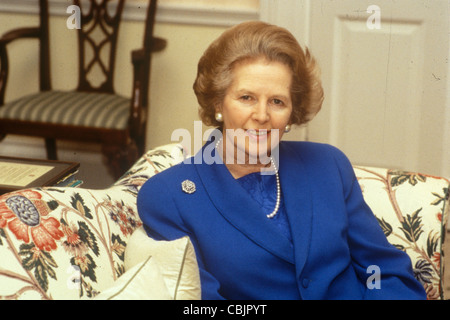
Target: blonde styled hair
249, 41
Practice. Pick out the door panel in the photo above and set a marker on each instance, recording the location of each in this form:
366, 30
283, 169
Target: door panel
385, 76
385, 98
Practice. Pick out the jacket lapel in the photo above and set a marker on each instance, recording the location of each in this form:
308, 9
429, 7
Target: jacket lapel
239, 209
296, 189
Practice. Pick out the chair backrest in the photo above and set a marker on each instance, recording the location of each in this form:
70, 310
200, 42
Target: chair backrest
148, 46
97, 42
41, 33
44, 54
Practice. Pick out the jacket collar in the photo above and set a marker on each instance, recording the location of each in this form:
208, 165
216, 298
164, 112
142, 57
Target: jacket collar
228, 197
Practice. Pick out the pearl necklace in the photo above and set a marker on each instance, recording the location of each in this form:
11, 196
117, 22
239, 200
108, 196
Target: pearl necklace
277, 204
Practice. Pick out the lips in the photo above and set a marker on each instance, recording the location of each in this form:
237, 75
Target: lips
258, 134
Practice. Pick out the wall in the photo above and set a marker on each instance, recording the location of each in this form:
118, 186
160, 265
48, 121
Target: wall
188, 26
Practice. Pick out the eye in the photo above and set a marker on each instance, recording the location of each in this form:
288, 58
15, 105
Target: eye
278, 102
246, 98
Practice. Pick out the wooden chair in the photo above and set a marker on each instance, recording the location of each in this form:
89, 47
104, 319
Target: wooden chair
89, 113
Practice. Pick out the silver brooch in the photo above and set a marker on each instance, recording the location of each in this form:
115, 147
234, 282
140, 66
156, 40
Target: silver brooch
188, 186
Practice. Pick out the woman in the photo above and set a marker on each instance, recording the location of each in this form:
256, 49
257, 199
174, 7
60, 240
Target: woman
271, 219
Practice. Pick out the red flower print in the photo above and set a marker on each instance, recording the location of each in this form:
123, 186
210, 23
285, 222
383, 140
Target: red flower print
24, 213
124, 216
74, 245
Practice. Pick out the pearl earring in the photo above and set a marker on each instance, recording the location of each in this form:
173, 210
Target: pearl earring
287, 128
219, 117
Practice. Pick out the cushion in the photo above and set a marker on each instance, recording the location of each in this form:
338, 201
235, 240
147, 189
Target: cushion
142, 282
100, 110
176, 259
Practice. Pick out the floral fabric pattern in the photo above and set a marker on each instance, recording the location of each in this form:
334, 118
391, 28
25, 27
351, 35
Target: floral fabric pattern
69, 243
26, 216
412, 210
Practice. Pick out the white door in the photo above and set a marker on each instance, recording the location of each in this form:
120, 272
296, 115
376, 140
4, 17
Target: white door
385, 74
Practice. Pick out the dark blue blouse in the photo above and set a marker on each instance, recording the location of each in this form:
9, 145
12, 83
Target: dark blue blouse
263, 189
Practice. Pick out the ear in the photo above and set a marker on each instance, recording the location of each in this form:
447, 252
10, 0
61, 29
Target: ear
218, 107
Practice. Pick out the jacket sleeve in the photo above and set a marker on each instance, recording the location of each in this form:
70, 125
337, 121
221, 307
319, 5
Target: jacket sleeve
385, 271
162, 221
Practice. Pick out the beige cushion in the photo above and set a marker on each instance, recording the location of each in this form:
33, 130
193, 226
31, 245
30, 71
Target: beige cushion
176, 260
142, 282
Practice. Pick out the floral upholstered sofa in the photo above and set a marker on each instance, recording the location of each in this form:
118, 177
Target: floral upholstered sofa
75, 243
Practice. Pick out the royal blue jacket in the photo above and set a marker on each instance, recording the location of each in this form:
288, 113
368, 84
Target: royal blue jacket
336, 240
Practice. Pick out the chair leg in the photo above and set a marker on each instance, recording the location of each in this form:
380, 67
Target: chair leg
140, 143
120, 158
50, 145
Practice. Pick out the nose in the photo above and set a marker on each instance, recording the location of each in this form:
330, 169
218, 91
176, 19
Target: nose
261, 112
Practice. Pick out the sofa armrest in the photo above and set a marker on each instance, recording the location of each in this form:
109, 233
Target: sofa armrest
151, 163
69, 243
412, 209
63, 234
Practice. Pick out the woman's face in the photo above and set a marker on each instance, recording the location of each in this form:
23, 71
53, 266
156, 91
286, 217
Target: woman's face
256, 108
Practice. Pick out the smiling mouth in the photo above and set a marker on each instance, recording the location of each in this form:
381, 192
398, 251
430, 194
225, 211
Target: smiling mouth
258, 134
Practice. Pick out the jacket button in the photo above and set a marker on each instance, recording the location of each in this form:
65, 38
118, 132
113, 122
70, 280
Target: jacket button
305, 283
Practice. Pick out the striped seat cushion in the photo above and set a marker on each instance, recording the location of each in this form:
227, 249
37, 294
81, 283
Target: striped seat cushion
99, 110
